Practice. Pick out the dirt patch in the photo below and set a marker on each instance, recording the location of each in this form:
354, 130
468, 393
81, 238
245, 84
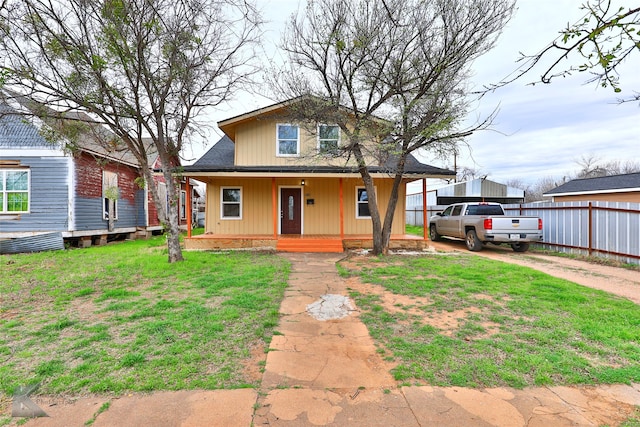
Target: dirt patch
392, 303
448, 322
253, 367
360, 262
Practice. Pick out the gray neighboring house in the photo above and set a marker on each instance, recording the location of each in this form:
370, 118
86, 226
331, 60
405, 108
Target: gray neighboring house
613, 188
49, 192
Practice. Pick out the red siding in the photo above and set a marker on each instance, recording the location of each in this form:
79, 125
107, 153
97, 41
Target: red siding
89, 177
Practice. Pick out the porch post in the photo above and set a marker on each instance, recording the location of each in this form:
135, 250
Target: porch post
274, 207
425, 231
341, 212
188, 209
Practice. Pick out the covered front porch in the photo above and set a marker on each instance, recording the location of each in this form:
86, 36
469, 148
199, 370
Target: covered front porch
300, 243
340, 227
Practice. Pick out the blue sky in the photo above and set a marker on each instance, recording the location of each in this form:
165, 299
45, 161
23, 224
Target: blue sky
540, 130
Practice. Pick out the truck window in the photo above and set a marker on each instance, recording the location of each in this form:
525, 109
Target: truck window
484, 210
456, 210
447, 211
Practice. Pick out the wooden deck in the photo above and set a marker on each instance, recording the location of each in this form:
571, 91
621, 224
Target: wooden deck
299, 243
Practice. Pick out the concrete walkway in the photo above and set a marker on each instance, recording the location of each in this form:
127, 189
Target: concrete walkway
323, 370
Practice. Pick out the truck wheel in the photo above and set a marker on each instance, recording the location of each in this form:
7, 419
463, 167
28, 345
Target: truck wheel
473, 243
520, 247
433, 234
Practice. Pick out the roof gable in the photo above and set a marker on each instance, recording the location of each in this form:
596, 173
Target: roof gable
604, 184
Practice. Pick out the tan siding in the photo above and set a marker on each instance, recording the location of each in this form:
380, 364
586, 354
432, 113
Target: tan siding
323, 217
256, 146
256, 208
633, 197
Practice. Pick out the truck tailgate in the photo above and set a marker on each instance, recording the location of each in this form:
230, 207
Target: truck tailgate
519, 224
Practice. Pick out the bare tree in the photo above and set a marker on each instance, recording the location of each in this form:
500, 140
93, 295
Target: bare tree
467, 173
592, 166
534, 192
391, 74
589, 167
143, 68
602, 40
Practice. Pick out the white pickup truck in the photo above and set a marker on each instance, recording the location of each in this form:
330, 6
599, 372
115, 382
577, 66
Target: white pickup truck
479, 223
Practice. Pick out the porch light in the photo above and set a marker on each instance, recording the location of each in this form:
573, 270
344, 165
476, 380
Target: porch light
302, 182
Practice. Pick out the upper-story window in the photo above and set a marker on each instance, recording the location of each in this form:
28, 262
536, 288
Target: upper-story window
288, 140
14, 190
328, 138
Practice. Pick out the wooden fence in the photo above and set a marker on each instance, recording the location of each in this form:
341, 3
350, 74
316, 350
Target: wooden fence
607, 229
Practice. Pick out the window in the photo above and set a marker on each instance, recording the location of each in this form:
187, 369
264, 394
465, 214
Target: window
362, 203
288, 140
109, 192
231, 203
447, 211
183, 204
14, 190
484, 210
456, 210
328, 138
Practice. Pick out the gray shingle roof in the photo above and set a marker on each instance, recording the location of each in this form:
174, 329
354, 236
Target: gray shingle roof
20, 129
222, 154
605, 183
220, 158
17, 132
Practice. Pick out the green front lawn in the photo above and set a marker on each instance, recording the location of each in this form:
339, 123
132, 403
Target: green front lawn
515, 326
120, 318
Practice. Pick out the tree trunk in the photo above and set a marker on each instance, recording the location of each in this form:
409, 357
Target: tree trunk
372, 201
173, 228
112, 215
391, 208
169, 223
379, 246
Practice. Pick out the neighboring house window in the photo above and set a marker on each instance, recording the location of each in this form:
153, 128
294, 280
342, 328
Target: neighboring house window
231, 203
14, 190
362, 203
288, 140
183, 204
109, 191
328, 138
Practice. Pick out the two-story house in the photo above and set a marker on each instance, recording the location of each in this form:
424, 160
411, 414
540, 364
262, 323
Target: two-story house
268, 185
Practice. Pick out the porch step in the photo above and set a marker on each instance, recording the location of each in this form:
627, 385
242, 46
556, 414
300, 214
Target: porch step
309, 245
